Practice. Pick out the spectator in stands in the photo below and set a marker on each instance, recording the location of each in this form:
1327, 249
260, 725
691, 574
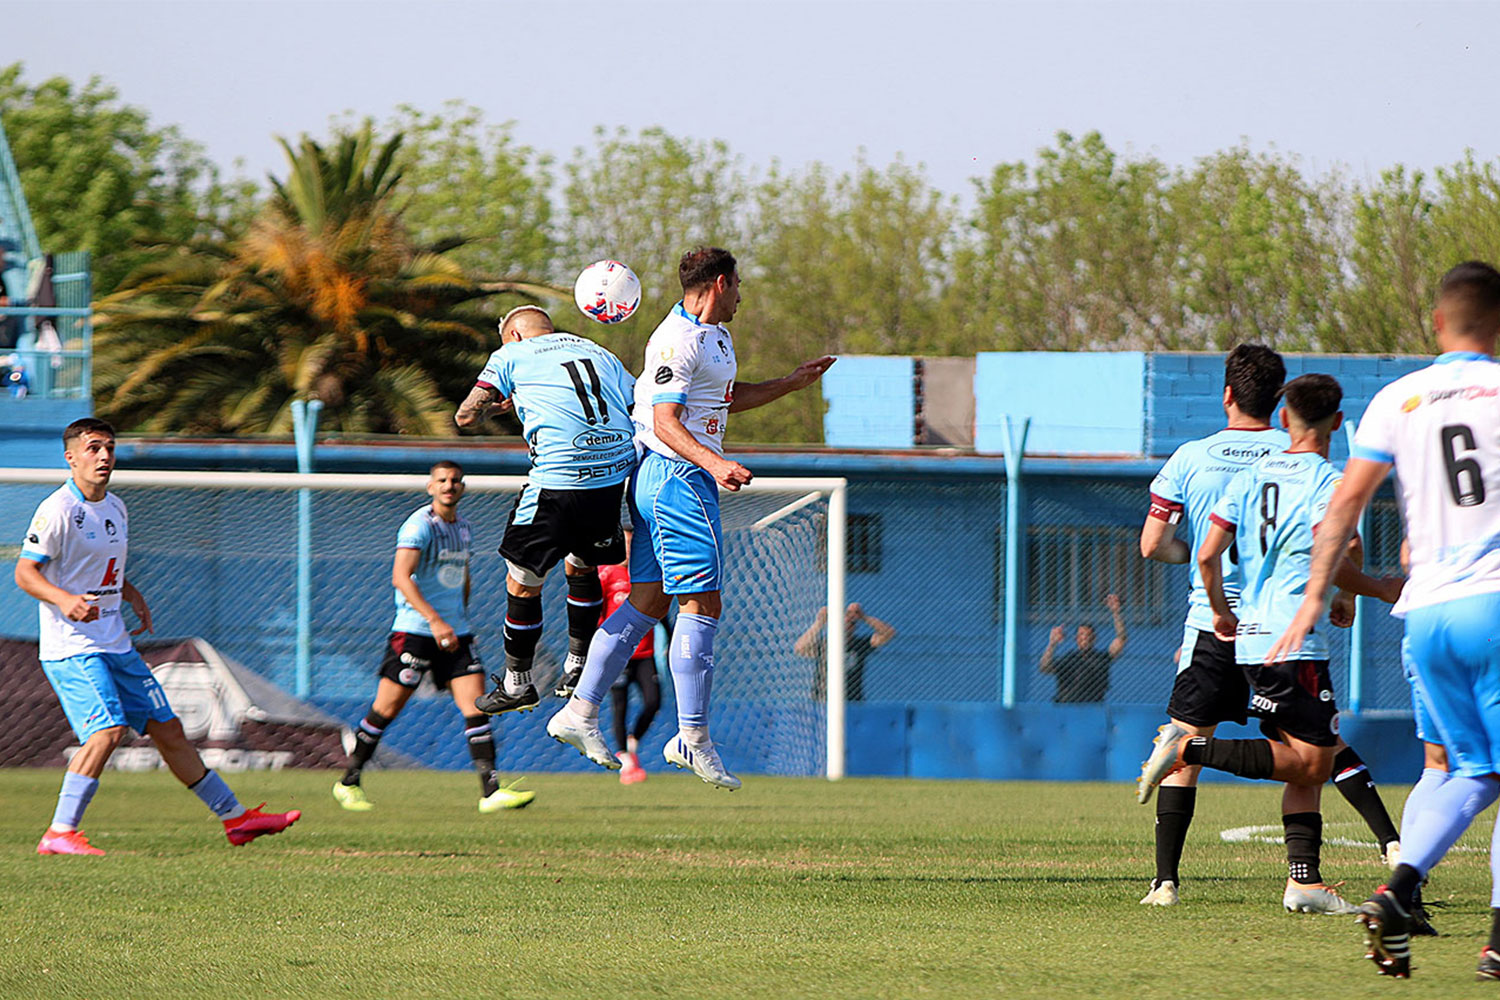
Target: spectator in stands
1083, 675
813, 644
10, 326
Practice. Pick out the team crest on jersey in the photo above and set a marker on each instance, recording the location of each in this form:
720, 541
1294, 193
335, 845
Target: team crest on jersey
723, 348
109, 527
78, 517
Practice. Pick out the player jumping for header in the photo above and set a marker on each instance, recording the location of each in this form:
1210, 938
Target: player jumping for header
682, 403
573, 399
73, 562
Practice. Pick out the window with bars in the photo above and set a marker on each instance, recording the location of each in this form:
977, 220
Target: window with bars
1070, 569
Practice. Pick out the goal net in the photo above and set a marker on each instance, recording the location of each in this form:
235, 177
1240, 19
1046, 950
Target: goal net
288, 577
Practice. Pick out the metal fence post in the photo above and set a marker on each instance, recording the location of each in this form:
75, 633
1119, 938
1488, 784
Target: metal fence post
1015, 452
304, 430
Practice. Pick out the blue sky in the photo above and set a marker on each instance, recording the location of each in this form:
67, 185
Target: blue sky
955, 86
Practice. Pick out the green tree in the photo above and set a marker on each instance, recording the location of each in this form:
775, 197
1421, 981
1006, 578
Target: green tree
98, 176
1385, 304
1077, 252
1264, 254
853, 264
466, 179
325, 295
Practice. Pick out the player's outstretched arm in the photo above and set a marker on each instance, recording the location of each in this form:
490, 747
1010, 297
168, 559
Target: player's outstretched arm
483, 401
882, 632
1362, 477
749, 395
76, 607
667, 423
1210, 568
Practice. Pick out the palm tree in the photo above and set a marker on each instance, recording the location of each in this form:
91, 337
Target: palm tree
323, 296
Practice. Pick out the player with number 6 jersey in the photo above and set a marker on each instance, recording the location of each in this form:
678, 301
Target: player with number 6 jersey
573, 399
1439, 429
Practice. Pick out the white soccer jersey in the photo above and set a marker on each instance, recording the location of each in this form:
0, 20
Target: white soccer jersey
693, 364
1441, 428
81, 548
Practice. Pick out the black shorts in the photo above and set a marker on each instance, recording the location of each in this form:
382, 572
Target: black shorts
1210, 687
409, 655
1295, 697
547, 525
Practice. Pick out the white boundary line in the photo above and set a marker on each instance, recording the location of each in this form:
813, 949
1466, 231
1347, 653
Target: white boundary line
1271, 834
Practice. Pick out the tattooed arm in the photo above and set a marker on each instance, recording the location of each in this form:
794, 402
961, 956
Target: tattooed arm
483, 401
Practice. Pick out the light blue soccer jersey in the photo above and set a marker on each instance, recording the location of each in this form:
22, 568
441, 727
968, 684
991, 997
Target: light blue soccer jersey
442, 566
1193, 480
1272, 508
573, 399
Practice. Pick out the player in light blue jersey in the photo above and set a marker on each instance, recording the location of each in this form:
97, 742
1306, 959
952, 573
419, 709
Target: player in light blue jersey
1269, 512
431, 635
1210, 687
573, 399
687, 391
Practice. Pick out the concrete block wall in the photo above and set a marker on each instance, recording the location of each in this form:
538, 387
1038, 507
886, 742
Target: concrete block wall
871, 403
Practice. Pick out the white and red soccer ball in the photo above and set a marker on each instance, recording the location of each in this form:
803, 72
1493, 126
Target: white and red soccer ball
607, 292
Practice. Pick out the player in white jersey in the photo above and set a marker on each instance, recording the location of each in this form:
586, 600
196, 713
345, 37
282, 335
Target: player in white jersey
683, 400
73, 562
431, 636
1439, 428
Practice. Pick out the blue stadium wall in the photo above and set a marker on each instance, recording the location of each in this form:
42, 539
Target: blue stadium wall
926, 555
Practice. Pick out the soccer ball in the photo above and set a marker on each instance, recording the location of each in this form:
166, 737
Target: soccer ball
607, 292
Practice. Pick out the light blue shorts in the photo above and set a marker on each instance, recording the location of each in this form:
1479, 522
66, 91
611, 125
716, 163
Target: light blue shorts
103, 690
1427, 730
1455, 650
678, 541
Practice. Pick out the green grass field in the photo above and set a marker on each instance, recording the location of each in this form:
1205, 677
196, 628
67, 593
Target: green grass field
788, 888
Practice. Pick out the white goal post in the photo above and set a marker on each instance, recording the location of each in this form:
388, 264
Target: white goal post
234, 549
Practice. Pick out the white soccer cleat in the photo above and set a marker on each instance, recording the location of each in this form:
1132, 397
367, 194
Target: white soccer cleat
1300, 898
1162, 762
702, 759
1162, 893
582, 735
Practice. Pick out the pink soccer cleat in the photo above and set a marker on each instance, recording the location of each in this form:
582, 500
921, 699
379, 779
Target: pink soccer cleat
69, 842
631, 771
254, 823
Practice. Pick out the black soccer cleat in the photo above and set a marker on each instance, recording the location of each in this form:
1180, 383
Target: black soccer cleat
497, 701
1420, 922
1489, 965
567, 682
1387, 940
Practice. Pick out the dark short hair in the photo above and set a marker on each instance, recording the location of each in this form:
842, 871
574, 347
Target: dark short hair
445, 463
702, 265
1313, 398
1253, 374
85, 425
1470, 298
